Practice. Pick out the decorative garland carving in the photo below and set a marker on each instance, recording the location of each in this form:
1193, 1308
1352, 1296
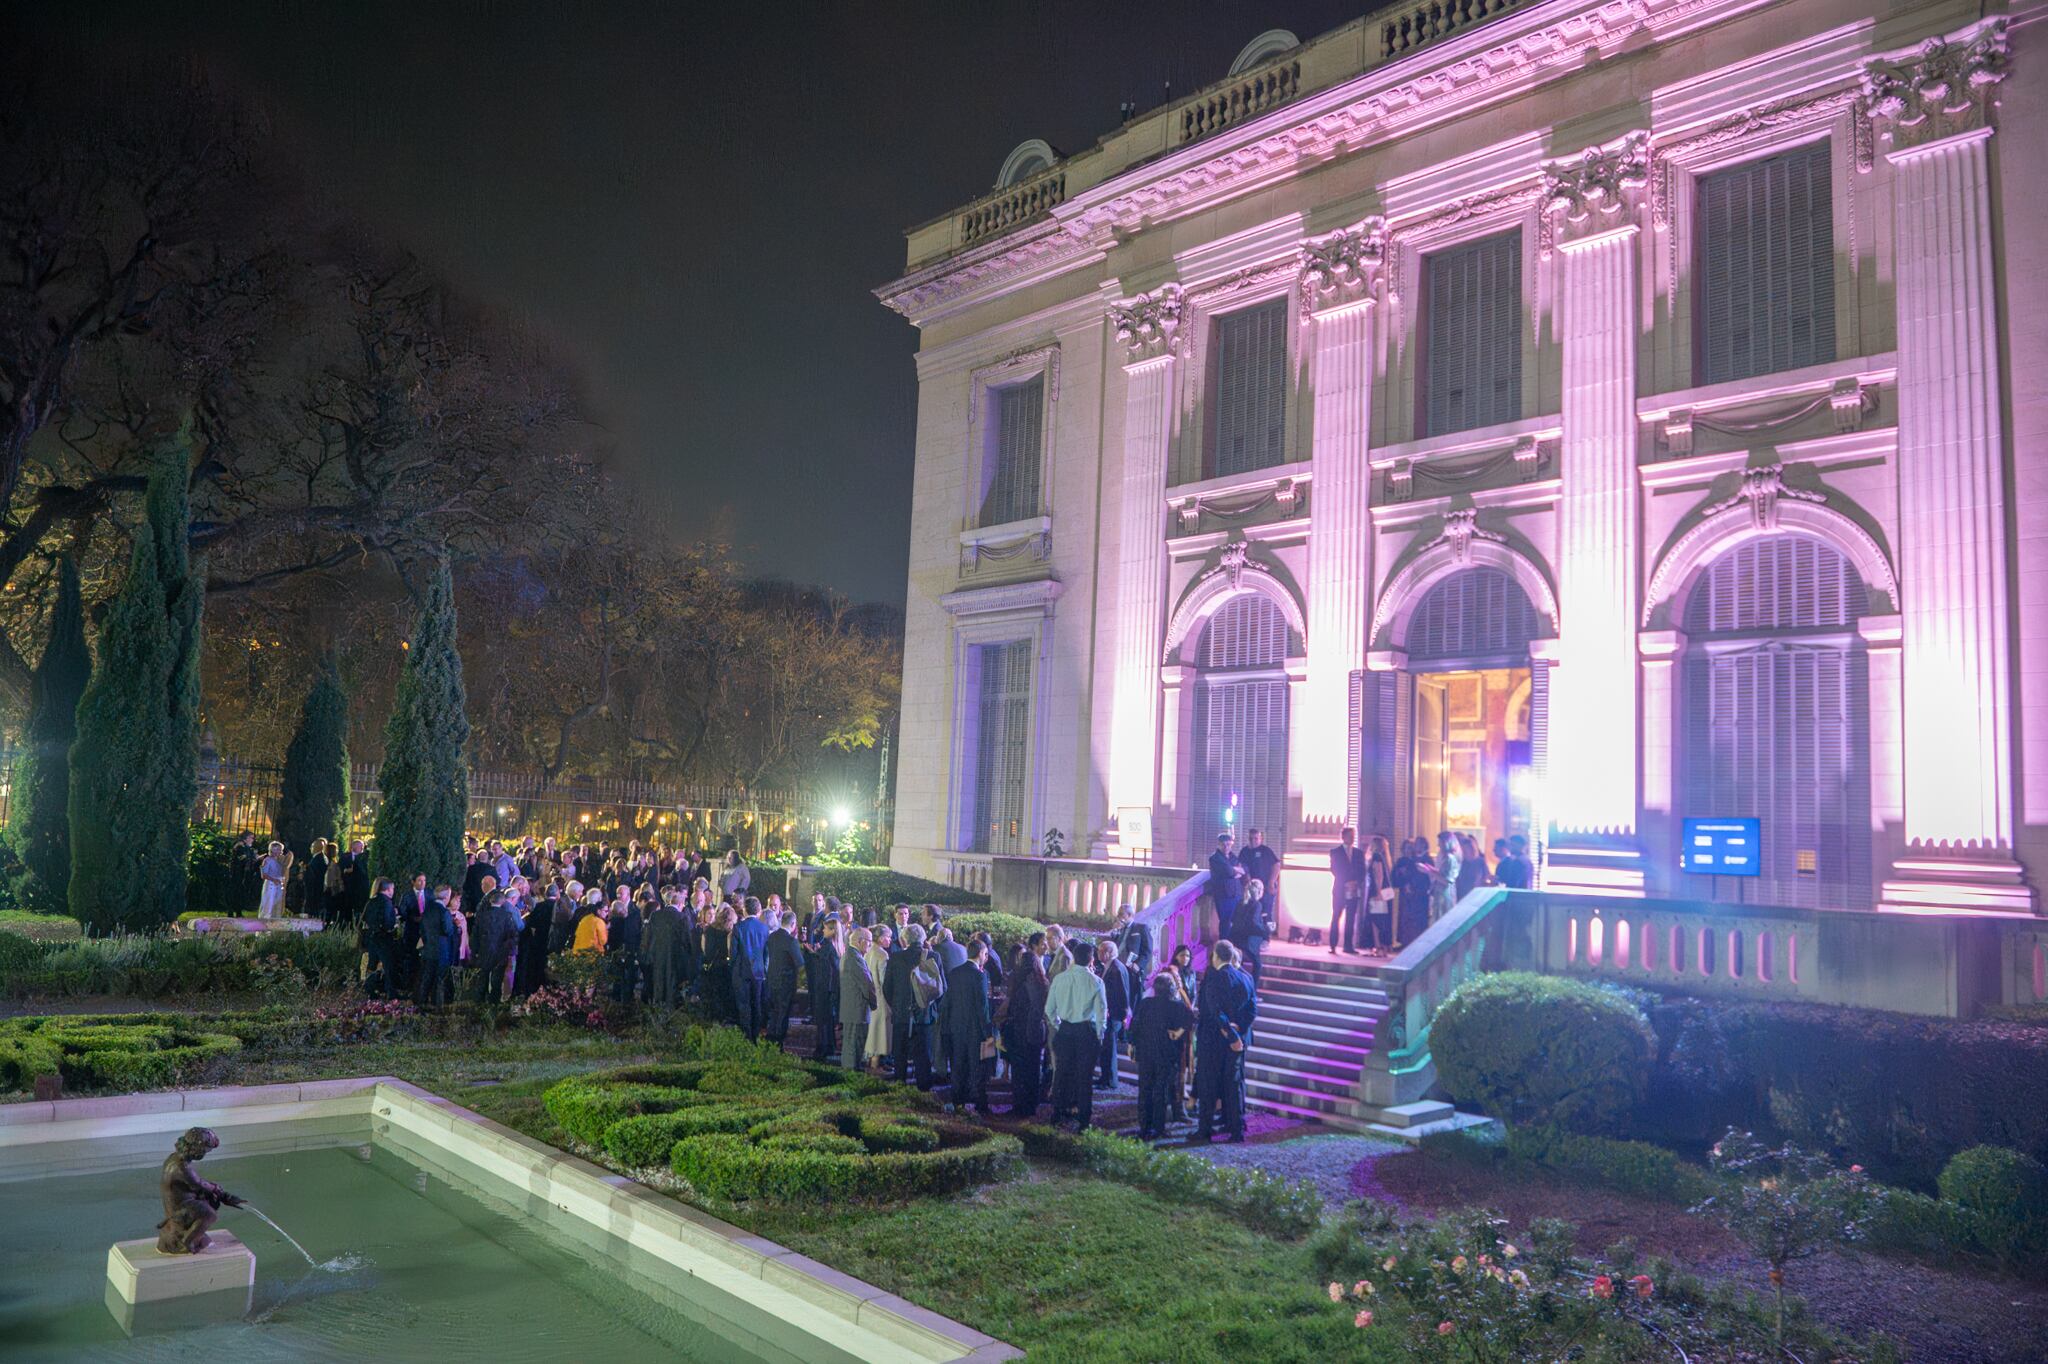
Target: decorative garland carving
1948, 86
1761, 488
1149, 325
1284, 494
1666, 159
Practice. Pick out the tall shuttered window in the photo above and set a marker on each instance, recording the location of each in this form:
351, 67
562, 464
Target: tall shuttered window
1472, 358
1014, 452
1766, 267
1249, 387
1477, 615
1776, 720
1240, 732
1002, 747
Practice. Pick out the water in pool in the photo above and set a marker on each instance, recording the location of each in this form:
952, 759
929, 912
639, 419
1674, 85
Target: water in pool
424, 1266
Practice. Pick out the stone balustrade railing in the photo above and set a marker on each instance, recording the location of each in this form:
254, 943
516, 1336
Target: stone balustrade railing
1944, 965
1015, 205
1257, 91
1416, 25
1076, 892
1468, 939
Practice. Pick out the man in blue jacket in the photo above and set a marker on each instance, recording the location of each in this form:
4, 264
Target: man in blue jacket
1226, 1006
750, 970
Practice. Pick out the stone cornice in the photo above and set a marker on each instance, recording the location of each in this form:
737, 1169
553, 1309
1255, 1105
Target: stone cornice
1447, 77
1038, 595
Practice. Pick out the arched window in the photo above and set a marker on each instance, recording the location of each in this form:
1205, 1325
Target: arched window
1776, 719
1476, 614
1239, 771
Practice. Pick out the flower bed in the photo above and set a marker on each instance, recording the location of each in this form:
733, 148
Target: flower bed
764, 1128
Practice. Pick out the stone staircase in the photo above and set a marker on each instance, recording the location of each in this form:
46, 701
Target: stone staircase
1317, 1017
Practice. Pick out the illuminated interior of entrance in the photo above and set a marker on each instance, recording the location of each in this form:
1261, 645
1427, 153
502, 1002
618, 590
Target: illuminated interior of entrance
1471, 754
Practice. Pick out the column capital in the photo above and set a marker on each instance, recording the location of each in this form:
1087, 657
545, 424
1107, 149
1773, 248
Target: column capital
1592, 196
1948, 85
1149, 326
1660, 646
1341, 272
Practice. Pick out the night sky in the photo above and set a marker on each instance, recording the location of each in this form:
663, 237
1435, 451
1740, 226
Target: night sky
695, 202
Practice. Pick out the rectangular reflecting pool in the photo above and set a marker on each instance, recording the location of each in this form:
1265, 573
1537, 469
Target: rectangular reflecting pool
436, 1236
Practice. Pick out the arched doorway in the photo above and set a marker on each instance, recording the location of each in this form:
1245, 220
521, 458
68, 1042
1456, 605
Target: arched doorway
1774, 719
1450, 735
1237, 772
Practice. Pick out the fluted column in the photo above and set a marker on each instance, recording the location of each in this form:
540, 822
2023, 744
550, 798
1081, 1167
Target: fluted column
1338, 281
1592, 795
1149, 328
1955, 624
1660, 651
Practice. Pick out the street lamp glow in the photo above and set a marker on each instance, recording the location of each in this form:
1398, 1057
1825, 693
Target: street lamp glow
841, 817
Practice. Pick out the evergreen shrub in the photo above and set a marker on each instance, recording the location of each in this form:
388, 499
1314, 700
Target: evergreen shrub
1543, 1050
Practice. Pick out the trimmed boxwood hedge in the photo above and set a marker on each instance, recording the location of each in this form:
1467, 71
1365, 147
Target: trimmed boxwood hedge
766, 1129
106, 1053
1544, 1050
875, 887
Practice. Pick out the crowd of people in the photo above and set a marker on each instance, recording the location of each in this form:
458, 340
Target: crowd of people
889, 990
1379, 902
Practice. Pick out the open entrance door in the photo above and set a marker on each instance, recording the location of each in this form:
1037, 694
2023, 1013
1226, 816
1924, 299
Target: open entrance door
1471, 752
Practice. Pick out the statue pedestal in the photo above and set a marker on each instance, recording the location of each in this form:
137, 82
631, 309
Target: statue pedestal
140, 1273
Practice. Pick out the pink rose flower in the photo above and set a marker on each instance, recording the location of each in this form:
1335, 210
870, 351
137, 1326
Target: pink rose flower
1603, 1286
1336, 1292
1641, 1283
1444, 1328
1362, 1320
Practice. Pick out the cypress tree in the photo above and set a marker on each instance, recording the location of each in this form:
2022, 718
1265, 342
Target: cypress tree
38, 815
134, 763
314, 802
424, 782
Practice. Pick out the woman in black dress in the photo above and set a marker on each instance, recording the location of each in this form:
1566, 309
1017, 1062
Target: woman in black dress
715, 978
1024, 1025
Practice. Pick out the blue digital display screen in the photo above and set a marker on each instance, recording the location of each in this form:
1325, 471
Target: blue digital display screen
1723, 847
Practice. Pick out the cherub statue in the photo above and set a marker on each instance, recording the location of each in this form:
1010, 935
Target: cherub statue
191, 1202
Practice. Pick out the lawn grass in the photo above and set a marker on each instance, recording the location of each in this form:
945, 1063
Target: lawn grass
40, 927
1063, 1265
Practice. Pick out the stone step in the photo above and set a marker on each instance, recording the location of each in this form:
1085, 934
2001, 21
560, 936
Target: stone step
1305, 1081
1287, 1014
1416, 1114
1351, 1054
1456, 1122
1344, 1068
1336, 971
1338, 996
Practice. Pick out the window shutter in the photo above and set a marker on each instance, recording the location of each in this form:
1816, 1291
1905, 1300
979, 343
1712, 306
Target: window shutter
1241, 723
1472, 368
1766, 266
1003, 747
1778, 729
1250, 388
1016, 451
1475, 613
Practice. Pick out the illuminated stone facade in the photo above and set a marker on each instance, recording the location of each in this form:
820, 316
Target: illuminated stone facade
1568, 420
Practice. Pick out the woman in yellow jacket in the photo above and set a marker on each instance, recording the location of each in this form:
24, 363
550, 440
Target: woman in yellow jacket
591, 930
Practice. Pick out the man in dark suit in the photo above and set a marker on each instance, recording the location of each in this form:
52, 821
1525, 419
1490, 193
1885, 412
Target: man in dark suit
473, 877
824, 983
1347, 892
1226, 883
497, 938
355, 881
858, 992
785, 968
412, 912
1225, 1006
379, 939
661, 946
437, 947
965, 1023
1261, 864
245, 878
909, 1016
623, 930
1120, 991
1133, 942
